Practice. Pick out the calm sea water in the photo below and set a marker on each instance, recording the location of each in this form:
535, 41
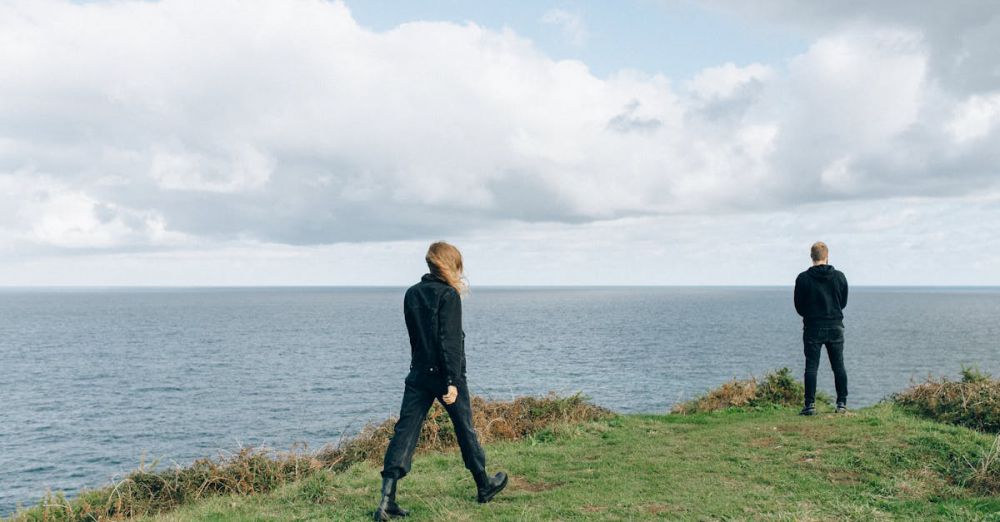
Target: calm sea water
94, 381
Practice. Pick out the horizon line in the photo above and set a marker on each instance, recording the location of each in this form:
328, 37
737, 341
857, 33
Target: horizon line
486, 286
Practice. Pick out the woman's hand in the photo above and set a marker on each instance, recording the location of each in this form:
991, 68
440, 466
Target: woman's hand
449, 398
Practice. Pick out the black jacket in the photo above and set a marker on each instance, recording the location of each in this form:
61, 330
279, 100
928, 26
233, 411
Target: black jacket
821, 296
433, 311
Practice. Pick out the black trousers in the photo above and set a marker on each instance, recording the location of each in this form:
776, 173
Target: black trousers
813, 339
417, 400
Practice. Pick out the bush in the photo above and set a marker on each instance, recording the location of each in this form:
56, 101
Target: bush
973, 374
259, 470
778, 388
973, 402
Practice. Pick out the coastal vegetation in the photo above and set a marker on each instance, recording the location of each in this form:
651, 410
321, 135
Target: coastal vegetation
738, 452
777, 389
252, 471
972, 401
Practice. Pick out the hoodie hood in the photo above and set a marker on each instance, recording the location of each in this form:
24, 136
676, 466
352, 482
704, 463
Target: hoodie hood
821, 271
431, 277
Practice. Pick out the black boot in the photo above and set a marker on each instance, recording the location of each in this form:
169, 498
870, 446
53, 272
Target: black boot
810, 409
382, 513
487, 487
393, 509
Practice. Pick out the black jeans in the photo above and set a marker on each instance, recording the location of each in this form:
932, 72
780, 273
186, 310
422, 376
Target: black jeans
417, 400
813, 338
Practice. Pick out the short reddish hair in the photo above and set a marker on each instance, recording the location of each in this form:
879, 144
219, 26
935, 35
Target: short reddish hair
819, 251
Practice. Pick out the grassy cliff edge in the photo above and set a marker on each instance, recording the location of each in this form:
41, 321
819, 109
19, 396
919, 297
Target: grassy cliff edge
880, 463
738, 453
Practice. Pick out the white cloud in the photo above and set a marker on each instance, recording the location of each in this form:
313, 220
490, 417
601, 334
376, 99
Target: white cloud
838, 175
41, 211
866, 85
960, 37
573, 28
247, 169
975, 118
725, 80
158, 124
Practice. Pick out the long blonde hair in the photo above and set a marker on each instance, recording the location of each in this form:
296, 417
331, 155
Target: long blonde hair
445, 263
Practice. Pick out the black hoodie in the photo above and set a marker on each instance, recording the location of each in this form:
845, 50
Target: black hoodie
821, 296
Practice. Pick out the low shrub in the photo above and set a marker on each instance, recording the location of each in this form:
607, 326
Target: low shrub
259, 470
777, 388
974, 374
973, 401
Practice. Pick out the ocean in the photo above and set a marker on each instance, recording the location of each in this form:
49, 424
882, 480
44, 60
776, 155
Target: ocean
95, 381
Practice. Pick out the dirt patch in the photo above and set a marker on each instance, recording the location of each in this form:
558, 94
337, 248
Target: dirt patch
919, 484
764, 442
658, 509
811, 457
815, 431
846, 478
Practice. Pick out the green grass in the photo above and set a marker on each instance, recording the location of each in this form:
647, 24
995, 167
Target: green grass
879, 463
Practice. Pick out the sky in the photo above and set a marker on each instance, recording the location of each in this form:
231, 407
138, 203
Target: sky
642, 142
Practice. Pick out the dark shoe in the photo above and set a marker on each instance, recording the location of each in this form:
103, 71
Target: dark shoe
382, 512
487, 487
393, 509
810, 409
841, 407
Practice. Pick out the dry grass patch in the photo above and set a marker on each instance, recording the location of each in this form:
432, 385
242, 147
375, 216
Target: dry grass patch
777, 388
764, 442
973, 401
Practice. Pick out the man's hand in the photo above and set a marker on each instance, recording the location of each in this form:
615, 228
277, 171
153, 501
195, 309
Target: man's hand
449, 398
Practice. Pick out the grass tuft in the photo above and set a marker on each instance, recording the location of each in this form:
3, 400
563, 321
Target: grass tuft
985, 476
972, 374
148, 490
777, 388
973, 402
253, 471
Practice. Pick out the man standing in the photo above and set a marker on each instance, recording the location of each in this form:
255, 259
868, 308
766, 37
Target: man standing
820, 298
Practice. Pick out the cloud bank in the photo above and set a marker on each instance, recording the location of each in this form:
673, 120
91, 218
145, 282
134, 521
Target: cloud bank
151, 126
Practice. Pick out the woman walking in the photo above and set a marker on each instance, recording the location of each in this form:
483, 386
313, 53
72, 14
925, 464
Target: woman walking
433, 312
